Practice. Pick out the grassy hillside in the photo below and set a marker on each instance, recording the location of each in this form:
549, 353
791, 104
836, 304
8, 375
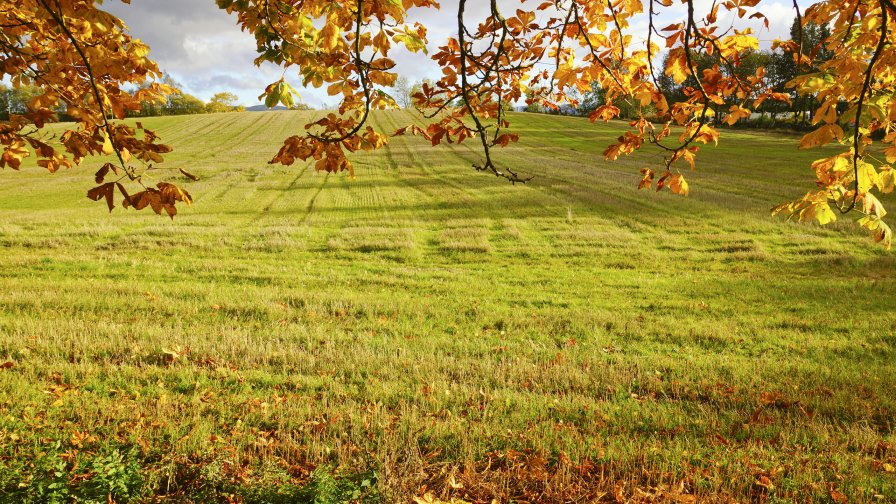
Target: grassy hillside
426, 329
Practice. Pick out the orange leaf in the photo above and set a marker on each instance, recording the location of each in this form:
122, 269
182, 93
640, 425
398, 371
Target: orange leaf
821, 136
188, 174
647, 181
107, 191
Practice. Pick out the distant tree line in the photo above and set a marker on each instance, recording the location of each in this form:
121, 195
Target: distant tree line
184, 104
780, 68
15, 101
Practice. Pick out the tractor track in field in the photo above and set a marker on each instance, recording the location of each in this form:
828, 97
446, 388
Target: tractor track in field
427, 172
577, 189
258, 122
208, 124
458, 152
390, 147
292, 184
234, 179
280, 194
310, 207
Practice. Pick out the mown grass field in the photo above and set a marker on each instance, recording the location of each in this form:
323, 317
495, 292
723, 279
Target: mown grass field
428, 331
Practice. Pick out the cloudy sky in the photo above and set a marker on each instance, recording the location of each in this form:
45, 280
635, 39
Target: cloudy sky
204, 50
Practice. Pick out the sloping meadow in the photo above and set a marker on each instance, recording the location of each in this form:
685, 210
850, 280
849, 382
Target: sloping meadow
425, 331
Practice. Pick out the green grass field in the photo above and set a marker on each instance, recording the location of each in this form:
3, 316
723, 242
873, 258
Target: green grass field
426, 330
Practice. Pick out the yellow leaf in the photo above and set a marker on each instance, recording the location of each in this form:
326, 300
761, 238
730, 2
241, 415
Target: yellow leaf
14, 154
429, 498
688, 155
677, 65
678, 185
107, 146
882, 232
824, 214
884, 235
647, 181
872, 206
885, 179
329, 35
841, 164
735, 114
821, 136
816, 209
867, 176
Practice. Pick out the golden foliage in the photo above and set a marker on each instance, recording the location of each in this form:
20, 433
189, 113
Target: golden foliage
83, 61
